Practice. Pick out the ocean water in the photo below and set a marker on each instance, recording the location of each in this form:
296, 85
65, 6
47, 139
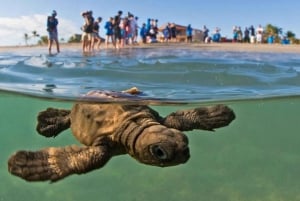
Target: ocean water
255, 158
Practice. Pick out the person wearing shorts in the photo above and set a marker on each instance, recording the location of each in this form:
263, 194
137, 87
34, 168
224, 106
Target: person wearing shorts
52, 23
87, 28
96, 39
109, 31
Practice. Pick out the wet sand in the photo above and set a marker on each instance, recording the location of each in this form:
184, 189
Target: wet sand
236, 47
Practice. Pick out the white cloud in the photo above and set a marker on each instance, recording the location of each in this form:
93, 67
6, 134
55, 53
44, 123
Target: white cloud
12, 30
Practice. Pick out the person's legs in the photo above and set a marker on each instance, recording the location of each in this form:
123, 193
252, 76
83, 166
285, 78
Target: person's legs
83, 40
106, 41
98, 43
57, 45
50, 42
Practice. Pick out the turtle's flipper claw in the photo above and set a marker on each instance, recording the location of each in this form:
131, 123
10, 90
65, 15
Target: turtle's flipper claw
53, 121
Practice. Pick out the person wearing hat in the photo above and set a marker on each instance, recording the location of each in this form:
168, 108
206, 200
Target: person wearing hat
52, 23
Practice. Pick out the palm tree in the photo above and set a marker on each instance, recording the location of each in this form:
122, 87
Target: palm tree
274, 31
26, 38
291, 36
35, 34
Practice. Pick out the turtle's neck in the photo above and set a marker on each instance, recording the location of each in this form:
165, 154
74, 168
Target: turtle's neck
129, 132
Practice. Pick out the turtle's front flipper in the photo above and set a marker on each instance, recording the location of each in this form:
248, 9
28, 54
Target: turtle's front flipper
205, 118
53, 121
56, 163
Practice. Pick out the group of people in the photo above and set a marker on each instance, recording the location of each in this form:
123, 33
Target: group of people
121, 30
118, 30
125, 30
149, 31
250, 35
90, 37
216, 36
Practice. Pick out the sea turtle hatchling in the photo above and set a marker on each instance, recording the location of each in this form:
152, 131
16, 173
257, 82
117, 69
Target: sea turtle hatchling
108, 130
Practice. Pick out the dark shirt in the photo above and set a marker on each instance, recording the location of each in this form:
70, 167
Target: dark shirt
52, 23
246, 32
173, 31
252, 31
96, 27
89, 23
117, 21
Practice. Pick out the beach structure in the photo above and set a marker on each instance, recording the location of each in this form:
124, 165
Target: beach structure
181, 33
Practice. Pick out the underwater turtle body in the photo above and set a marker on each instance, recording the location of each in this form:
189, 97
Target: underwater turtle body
108, 130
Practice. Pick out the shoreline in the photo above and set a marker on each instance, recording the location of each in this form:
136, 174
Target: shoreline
233, 47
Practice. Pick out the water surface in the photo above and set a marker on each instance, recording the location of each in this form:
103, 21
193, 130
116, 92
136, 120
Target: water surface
167, 73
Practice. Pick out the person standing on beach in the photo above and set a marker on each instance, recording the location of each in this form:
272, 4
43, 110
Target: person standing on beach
166, 33
246, 35
189, 34
143, 33
173, 32
135, 39
252, 34
239, 34
234, 34
205, 33
109, 31
52, 23
87, 29
259, 34
96, 39
117, 29
133, 26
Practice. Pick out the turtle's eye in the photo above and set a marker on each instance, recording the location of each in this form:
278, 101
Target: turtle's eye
159, 152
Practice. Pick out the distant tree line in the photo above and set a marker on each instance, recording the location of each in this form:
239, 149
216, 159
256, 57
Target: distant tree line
40, 40
278, 34
27, 37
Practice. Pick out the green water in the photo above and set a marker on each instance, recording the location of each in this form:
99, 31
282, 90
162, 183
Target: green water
256, 158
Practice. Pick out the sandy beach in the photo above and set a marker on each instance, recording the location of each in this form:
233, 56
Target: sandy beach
237, 47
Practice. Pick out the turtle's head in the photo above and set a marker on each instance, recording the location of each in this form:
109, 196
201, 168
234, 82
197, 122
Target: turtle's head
161, 146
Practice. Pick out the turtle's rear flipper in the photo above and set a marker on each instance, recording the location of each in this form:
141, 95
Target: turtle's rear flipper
53, 164
53, 121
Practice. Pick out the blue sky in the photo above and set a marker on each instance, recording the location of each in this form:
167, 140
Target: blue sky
23, 16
